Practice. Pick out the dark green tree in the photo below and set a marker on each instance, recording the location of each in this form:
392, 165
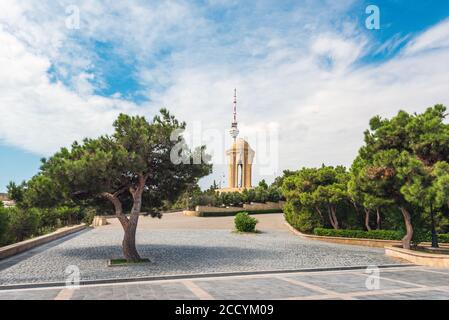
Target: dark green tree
141, 161
398, 157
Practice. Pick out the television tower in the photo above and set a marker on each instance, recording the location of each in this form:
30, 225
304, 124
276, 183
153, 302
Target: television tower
234, 127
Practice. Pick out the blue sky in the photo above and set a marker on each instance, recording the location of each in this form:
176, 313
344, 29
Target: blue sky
298, 64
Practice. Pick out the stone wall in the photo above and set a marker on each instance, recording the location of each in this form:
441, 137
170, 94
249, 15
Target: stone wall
263, 206
217, 209
253, 207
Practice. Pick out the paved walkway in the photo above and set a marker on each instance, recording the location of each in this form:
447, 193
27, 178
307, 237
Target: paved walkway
392, 283
179, 245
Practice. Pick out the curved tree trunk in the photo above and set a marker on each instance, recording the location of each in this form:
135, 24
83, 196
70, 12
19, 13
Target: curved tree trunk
333, 217
406, 241
319, 212
129, 240
129, 224
367, 214
379, 219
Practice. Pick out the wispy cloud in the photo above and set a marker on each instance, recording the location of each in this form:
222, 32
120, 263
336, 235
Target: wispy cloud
297, 66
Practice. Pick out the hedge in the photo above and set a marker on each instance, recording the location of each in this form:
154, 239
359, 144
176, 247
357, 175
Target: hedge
232, 214
359, 234
443, 238
18, 224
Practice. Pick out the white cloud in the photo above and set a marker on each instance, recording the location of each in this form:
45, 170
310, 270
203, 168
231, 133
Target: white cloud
435, 38
301, 75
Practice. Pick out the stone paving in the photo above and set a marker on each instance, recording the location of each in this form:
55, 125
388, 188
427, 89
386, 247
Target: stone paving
184, 245
403, 283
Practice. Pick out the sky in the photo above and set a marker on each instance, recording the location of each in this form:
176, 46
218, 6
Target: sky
309, 73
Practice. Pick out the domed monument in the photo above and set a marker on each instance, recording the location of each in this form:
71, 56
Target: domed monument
240, 159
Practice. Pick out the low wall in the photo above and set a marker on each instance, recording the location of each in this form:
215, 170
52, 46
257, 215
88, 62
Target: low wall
263, 206
269, 207
218, 210
99, 221
419, 258
16, 248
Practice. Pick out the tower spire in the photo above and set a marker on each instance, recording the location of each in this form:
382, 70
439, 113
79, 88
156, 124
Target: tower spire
235, 106
234, 127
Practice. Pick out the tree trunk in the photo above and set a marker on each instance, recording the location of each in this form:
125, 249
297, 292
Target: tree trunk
367, 213
129, 240
333, 217
356, 207
406, 241
319, 212
434, 232
129, 224
379, 219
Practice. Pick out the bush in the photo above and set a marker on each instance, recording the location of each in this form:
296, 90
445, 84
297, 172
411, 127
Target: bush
359, 234
23, 224
69, 215
443, 238
245, 223
89, 215
303, 220
4, 226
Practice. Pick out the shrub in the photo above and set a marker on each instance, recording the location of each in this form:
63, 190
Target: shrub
245, 223
4, 226
443, 238
303, 220
69, 215
359, 234
89, 215
23, 224
48, 219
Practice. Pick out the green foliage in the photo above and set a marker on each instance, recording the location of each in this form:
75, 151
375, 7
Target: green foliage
23, 224
4, 225
245, 223
89, 215
401, 172
321, 191
360, 234
142, 165
302, 219
18, 224
81, 175
16, 192
443, 238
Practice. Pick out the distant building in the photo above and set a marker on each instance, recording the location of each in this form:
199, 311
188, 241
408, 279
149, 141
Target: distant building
6, 201
240, 159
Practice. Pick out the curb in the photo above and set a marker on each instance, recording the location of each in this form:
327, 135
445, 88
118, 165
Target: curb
21, 247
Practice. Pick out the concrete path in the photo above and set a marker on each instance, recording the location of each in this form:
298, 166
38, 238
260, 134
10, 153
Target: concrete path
408, 283
179, 245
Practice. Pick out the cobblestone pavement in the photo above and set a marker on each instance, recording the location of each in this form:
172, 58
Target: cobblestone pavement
399, 283
184, 245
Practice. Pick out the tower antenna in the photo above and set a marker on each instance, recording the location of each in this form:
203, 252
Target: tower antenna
234, 127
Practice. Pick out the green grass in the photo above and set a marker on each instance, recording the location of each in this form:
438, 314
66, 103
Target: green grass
124, 262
